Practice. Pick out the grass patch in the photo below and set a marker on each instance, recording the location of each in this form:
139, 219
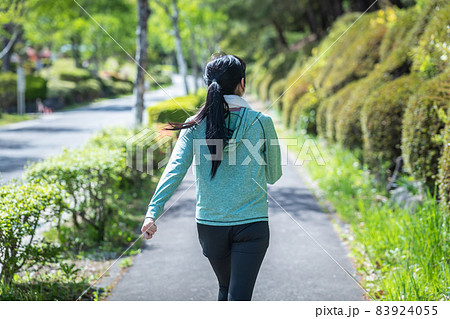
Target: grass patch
6, 118
401, 254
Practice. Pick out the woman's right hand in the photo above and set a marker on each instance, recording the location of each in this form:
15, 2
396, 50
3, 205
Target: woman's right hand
149, 228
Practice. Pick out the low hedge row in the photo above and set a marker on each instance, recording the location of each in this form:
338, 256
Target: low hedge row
423, 123
381, 122
35, 87
90, 177
94, 197
444, 167
177, 109
384, 90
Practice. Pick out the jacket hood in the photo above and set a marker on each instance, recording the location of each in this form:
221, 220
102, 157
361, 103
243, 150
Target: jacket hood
246, 119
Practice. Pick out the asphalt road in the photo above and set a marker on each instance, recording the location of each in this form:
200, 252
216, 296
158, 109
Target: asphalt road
172, 267
35, 140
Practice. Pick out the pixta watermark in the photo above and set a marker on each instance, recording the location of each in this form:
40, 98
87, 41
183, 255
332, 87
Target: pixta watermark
149, 150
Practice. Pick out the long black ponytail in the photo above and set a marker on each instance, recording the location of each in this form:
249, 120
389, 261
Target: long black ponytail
222, 75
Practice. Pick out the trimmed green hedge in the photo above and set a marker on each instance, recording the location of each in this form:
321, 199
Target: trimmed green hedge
330, 109
122, 88
304, 113
433, 52
62, 90
74, 75
444, 168
275, 91
381, 122
403, 37
35, 87
175, 110
303, 85
356, 53
277, 68
68, 92
348, 117
321, 117
87, 90
423, 122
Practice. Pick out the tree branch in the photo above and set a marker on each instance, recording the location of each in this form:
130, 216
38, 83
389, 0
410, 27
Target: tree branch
164, 6
10, 44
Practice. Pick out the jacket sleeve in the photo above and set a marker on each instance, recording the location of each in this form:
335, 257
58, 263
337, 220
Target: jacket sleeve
272, 154
179, 163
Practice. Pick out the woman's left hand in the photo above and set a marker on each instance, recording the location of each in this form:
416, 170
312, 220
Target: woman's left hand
149, 228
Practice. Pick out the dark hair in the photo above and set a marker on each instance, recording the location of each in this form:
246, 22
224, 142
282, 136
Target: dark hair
222, 75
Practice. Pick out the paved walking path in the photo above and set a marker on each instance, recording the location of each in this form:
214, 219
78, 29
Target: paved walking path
172, 267
37, 139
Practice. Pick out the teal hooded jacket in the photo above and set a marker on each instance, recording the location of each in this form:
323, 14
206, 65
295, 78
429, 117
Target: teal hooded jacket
238, 192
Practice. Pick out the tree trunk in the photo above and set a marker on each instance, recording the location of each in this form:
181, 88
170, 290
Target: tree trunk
141, 57
75, 40
178, 49
6, 65
325, 17
8, 43
337, 8
311, 18
280, 33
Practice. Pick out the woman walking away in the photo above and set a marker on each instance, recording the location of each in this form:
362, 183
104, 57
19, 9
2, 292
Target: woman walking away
236, 155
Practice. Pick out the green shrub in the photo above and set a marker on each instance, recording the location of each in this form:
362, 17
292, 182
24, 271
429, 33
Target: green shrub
115, 138
161, 74
87, 90
306, 72
356, 53
122, 88
256, 73
174, 110
423, 122
400, 255
74, 75
162, 79
403, 37
348, 123
8, 90
35, 87
22, 208
444, 168
277, 68
399, 32
331, 108
105, 194
304, 114
321, 117
91, 179
62, 90
68, 92
275, 92
381, 122
433, 52
302, 81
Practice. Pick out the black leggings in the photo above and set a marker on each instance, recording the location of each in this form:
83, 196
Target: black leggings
235, 254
